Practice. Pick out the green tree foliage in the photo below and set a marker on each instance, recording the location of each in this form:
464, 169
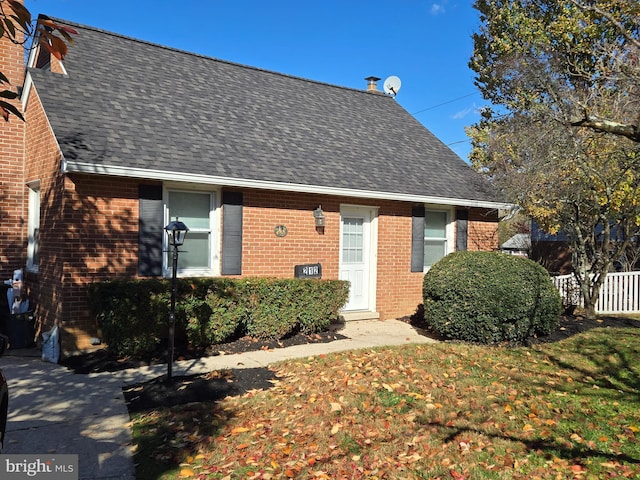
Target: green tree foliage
576, 61
17, 27
562, 137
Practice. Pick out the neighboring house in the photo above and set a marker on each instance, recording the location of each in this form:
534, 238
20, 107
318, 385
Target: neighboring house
554, 251
551, 251
125, 135
519, 244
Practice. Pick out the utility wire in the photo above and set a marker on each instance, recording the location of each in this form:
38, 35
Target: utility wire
459, 141
445, 103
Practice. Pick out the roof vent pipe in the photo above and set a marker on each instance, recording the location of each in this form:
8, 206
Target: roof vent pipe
372, 84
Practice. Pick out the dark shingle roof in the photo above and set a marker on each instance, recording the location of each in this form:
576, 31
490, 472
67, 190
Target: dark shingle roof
129, 103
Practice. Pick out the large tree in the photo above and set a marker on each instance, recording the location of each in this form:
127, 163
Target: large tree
561, 138
17, 27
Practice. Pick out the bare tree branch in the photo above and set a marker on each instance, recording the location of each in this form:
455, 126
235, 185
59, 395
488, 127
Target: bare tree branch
608, 126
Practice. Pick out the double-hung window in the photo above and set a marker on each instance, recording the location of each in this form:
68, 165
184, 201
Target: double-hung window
195, 209
33, 242
436, 236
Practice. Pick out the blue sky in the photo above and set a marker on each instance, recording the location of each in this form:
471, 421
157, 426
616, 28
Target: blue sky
427, 44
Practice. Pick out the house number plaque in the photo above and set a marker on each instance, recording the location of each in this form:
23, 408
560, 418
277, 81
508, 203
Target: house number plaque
312, 270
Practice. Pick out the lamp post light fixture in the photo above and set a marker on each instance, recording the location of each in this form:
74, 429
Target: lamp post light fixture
176, 233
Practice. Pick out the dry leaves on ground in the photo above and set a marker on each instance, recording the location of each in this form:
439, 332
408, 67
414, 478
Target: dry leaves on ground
566, 410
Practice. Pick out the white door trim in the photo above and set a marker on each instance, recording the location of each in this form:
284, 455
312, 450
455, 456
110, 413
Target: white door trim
371, 252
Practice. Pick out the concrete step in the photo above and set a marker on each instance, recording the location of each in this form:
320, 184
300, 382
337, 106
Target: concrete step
359, 315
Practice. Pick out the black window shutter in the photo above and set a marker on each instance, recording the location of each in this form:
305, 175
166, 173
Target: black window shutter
231, 233
150, 230
462, 228
417, 239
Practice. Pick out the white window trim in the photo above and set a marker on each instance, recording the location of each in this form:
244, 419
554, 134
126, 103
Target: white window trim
214, 228
33, 222
449, 229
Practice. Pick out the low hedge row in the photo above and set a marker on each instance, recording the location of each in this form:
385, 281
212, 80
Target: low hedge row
133, 313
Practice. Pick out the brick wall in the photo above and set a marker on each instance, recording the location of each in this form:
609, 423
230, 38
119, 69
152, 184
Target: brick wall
265, 254
12, 138
483, 229
88, 232
399, 291
42, 166
95, 237
100, 238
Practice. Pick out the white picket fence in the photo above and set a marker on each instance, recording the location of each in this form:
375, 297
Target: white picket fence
620, 292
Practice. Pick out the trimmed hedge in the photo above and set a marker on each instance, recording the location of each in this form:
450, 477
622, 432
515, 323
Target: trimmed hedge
489, 297
133, 314
128, 312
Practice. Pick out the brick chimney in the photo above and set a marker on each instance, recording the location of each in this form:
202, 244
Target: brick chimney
12, 151
12, 55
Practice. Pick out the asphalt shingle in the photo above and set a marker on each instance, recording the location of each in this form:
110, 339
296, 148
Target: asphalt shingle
129, 103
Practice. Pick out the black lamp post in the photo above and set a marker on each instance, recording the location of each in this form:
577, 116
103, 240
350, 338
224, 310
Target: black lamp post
176, 233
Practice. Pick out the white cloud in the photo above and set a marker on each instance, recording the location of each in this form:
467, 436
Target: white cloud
437, 8
473, 109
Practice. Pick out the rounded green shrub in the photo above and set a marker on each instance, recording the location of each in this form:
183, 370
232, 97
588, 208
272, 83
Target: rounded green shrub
489, 297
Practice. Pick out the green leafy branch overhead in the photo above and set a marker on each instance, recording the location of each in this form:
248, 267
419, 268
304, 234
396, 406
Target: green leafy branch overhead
577, 59
17, 27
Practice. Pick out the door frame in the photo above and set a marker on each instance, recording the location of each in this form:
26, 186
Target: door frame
372, 256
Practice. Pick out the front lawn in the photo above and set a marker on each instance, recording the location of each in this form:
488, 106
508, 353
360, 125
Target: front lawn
452, 411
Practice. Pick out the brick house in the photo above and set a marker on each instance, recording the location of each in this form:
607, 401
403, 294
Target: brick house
126, 135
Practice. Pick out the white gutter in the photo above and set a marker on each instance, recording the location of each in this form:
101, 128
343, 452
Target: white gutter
26, 90
70, 166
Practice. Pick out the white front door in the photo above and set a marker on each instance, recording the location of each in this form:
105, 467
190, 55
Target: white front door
355, 254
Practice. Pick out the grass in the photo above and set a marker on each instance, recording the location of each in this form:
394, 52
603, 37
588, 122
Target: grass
551, 411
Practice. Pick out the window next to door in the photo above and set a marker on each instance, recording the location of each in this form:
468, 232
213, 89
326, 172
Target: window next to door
438, 233
196, 209
33, 243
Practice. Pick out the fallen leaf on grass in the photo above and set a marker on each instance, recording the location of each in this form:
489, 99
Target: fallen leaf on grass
456, 475
576, 438
237, 430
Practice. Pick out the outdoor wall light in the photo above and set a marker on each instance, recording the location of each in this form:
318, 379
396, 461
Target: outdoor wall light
176, 233
318, 215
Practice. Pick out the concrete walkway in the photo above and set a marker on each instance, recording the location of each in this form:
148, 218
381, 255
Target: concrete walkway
52, 410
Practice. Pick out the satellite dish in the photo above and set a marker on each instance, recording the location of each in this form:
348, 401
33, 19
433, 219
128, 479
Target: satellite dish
392, 85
